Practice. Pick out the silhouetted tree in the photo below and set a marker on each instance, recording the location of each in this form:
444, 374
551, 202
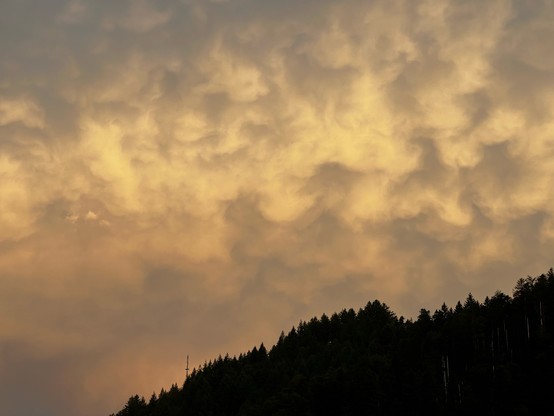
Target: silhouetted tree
496, 357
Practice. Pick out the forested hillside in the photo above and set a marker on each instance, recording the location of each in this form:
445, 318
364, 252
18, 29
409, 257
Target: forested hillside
495, 357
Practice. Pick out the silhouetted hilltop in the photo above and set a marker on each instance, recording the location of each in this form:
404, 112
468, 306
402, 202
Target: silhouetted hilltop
495, 357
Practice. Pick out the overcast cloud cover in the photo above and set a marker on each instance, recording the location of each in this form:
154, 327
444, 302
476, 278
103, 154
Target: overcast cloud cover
192, 177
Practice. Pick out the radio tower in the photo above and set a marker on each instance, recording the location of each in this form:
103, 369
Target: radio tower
187, 369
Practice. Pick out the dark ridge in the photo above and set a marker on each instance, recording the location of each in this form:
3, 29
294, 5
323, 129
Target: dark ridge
495, 357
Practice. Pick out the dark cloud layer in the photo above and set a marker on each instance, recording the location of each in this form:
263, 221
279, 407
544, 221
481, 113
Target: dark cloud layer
192, 177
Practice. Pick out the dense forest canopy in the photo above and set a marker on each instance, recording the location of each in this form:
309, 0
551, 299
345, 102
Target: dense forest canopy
494, 357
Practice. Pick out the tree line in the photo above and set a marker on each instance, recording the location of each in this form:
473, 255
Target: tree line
494, 357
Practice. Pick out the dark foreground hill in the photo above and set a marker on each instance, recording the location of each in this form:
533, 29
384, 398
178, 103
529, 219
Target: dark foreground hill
495, 357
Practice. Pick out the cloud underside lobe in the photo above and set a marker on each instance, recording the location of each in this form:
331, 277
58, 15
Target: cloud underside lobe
199, 175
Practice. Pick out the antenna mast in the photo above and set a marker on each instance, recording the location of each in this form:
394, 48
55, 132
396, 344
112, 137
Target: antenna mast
187, 369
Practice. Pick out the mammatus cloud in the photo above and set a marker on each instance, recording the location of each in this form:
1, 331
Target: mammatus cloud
191, 177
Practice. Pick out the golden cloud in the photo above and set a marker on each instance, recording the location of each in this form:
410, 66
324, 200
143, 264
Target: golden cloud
198, 176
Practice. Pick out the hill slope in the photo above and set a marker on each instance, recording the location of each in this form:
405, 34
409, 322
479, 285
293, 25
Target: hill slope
495, 357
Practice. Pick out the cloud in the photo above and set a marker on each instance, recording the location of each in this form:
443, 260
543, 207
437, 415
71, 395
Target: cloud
194, 177
91, 216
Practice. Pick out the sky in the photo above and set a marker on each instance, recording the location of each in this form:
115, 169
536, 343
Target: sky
191, 177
